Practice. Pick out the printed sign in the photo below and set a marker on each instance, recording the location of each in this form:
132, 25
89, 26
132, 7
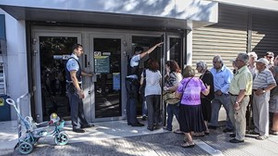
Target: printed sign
102, 64
116, 81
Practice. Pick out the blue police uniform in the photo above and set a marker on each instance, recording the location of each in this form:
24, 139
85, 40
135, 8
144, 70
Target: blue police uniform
76, 104
132, 87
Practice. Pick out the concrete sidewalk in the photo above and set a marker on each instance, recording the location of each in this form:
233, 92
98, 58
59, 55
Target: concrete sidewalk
117, 138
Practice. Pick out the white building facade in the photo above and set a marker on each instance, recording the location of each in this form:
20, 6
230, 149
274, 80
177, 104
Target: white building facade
39, 36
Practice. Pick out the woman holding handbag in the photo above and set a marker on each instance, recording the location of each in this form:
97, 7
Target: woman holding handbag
190, 114
172, 80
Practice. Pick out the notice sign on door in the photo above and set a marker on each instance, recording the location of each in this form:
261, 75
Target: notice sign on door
102, 64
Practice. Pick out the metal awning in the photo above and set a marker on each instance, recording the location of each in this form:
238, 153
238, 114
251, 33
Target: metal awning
85, 17
156, 14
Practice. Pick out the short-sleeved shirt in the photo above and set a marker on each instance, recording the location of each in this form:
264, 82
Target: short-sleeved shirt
207, 78
263, 79
242, 81
173, 79
134, 61
274, 91
191, 95
72, 64
153, 83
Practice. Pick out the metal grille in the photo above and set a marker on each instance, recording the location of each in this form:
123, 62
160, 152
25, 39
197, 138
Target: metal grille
227, 38
265, 33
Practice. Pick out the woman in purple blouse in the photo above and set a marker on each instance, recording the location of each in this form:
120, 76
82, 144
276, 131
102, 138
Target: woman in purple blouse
190, 114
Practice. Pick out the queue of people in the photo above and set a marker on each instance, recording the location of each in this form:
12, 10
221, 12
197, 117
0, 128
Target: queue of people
194, 101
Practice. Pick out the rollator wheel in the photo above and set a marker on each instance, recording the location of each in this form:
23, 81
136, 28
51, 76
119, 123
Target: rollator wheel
61, 139
25, 148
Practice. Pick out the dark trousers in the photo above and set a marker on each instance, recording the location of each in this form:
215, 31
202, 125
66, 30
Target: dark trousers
153, 102
172, 109
132, 88
76, 105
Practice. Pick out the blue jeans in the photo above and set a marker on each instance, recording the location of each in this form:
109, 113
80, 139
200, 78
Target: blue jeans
172, 109
224, 100
144, 107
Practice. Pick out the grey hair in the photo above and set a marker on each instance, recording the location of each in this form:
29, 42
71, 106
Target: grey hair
243, 57
253, 54
202, 64
218, 58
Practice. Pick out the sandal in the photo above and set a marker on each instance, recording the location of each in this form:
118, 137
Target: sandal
185, 139
198, 135
187, 145
272, 132
178, 131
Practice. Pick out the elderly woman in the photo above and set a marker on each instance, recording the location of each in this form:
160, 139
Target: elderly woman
207, 78
190, 114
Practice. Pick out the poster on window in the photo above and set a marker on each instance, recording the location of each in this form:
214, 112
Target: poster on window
102, 64
116, 81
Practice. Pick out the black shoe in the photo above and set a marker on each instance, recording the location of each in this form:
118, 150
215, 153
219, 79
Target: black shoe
212, 127
227, 130
236, 141
150, 128
137, 125
144, 118
167, 129
78, 130
232, 135
88, 126
253, 132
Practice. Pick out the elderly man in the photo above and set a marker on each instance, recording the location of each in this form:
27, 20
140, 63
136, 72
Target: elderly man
240, 89
263, 83
270, 57
222, 77
252, 62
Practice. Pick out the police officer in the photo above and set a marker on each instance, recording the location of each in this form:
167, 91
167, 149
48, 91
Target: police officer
132, 85
74, 90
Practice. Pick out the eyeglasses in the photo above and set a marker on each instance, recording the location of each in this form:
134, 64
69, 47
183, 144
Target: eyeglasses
270, 57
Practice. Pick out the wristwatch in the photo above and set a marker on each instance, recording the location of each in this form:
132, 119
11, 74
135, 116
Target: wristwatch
263, 91
237, 102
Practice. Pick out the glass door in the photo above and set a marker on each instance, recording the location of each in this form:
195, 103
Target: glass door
51, 51
106, 53
54, 52
146, 42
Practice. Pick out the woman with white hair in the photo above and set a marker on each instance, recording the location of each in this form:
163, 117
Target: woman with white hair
207, 78
252, 62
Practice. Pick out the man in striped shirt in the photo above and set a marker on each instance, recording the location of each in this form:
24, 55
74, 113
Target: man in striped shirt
263, 83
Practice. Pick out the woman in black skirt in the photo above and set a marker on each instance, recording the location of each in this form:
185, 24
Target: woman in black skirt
207, 78
190, 114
